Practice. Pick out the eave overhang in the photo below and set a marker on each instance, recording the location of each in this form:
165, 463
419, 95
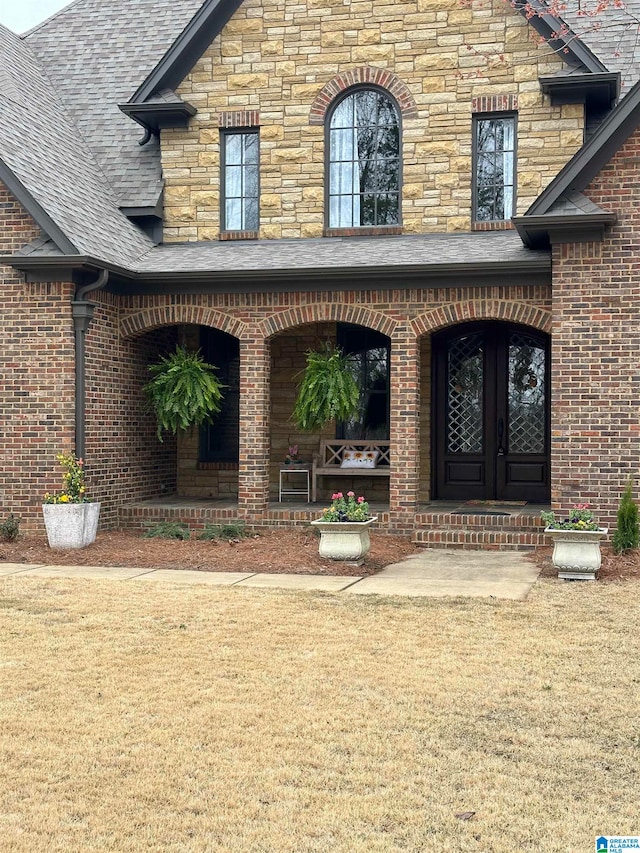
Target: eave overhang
559, 36
598, 90
187, 49
532, 272
35, 209
541, 232
159, 116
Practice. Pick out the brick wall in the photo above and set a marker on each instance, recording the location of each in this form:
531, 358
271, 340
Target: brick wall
37, 376
125, 460
290, 323
275, 60
595, 346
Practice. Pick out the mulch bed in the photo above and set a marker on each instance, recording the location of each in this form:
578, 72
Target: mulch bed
276, 551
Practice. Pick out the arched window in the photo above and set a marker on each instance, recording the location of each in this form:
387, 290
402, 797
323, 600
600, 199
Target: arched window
364, 161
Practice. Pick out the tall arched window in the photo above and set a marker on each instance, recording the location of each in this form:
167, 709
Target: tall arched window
364, 161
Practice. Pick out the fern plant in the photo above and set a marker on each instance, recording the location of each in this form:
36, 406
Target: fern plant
327, 392
184, 391
626, 536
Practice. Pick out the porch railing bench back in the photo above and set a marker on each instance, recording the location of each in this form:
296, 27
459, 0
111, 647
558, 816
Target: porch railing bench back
328, 462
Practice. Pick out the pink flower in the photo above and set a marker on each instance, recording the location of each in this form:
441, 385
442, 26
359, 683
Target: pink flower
351, 494
360, 500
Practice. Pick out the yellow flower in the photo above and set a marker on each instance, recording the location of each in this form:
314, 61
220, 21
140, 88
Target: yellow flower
64, 499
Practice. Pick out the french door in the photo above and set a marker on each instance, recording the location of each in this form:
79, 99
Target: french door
491, 413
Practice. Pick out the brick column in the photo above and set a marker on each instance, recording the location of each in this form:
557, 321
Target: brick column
253, 475
405, 429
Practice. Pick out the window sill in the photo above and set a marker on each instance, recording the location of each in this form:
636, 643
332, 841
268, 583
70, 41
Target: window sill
497, 225
217, 466
239, 235
363, 231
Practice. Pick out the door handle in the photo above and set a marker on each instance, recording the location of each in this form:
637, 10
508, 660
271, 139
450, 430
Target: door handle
500, 436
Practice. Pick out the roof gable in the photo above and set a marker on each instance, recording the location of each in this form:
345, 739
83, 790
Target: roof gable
187, 49
588, 161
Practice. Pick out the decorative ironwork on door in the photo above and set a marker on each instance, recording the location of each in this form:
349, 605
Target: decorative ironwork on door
527, 392
491, 413
465, 395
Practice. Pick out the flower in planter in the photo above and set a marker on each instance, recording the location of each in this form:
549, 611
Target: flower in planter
580, 518
292, 455
75, 490
349, 508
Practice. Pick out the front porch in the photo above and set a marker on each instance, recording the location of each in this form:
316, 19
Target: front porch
488, 525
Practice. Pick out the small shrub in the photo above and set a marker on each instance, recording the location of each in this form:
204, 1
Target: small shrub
10, 528
232, 530
168, 530
626, 536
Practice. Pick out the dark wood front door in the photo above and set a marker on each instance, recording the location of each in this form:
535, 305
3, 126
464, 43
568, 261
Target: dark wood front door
491, 413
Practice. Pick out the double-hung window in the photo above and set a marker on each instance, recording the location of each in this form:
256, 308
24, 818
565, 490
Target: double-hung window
363, 142
240, 180
494, 175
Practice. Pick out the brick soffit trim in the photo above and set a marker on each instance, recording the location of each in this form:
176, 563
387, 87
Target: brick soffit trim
357, 77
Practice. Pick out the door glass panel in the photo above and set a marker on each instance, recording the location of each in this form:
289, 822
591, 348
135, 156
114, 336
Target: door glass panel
465, 390
526, 394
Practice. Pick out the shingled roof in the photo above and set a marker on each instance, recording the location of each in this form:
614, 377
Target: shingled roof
62, 83
46, 164
108, 48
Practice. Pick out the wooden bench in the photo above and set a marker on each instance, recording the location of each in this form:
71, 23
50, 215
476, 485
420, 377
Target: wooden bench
327, 463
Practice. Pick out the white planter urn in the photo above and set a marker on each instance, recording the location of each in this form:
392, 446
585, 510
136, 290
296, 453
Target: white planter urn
71, 525
344, 540
576, 553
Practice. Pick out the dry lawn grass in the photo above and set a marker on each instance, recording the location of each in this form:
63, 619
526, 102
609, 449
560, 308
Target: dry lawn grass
154, 717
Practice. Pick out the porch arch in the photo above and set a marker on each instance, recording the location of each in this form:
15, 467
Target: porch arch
482, 309
143, 321
323, 313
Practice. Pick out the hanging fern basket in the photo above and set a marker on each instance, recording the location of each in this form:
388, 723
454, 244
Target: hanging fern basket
327, 392
184, 391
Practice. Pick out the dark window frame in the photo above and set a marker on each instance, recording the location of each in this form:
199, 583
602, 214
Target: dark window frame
477, 118
230, 402
351, 91
373, 340
225, 133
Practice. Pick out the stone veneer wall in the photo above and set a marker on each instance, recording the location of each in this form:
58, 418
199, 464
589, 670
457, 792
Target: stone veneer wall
36, 367
595, 349
275, 58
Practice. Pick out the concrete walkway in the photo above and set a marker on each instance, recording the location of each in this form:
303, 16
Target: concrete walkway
431, 573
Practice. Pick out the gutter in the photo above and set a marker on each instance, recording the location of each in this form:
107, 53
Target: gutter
82, 312
257, 276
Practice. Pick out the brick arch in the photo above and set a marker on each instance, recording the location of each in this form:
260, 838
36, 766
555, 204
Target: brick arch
482, 309
323, 313
358, 76
172, 315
